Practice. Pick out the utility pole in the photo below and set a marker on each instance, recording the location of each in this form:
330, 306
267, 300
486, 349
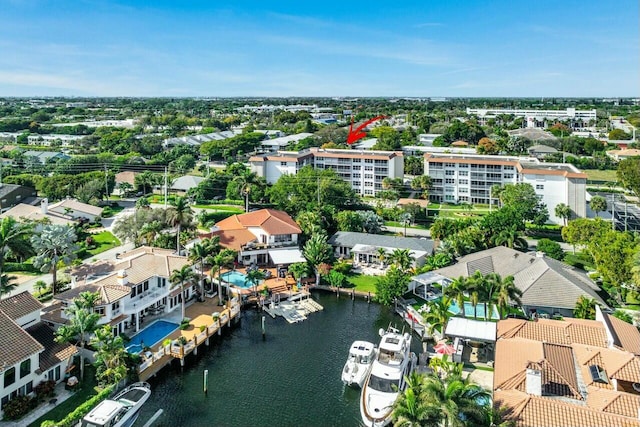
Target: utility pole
166, 171
318, 181
613, 211
106, 183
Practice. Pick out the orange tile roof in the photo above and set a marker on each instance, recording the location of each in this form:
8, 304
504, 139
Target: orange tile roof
628, 337
270, 220
565, 332
234, 239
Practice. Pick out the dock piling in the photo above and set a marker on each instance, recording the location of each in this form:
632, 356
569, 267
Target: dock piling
263, 331
206, 380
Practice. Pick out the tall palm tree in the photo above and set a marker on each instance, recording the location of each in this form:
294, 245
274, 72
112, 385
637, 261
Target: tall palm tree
253, 278
382, 255
54, 244
199, 253
14, 239
456, 290
401, 258
83, 321
179, 278
222, 259
511, 238
505, 291
411, 409
438, 315
317, 251
150, 231
180, 215
585, 308
7, 284
563, 211
111, 355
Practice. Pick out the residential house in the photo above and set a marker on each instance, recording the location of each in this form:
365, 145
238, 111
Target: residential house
28, 351
12, 194
75, 209
469, 178
540, 151
53, 140
197, 140
549, 287
623, 153
128, 177
44, 157
280, 143
263, 237
570, 372
26, 212
132, 286
363, 247
186, 183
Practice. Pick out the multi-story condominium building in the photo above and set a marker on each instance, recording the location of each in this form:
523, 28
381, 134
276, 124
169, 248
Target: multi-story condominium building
468, 178
364, 169
534, 117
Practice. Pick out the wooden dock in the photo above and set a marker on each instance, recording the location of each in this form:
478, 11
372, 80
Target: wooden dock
293, 311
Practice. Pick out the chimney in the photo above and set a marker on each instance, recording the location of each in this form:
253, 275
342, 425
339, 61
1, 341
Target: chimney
539, 254
44, 206
121, 278
533, 382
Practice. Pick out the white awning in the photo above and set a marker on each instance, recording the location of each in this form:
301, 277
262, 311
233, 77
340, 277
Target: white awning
286, 256
471, 329
373, 250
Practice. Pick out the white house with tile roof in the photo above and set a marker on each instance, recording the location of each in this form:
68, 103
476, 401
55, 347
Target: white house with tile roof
28, 351
133, 286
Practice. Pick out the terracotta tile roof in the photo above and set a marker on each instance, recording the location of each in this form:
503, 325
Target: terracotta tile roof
234, 239
532, 411
15, 343
23, 211
626, 336
511, 358
270, 220
20, 305
54, 352
126, 176
53, 314
614, 402
108, 292
559, 373
564, 332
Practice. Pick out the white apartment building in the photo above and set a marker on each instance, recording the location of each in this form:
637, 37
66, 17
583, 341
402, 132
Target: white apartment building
53, 139
534, 117
468, 178
364, 169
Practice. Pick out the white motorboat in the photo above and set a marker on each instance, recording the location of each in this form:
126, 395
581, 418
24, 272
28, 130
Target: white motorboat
120, 411
358, 366
394, 362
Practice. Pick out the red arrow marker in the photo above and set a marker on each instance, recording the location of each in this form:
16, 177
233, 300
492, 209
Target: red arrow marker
358, 133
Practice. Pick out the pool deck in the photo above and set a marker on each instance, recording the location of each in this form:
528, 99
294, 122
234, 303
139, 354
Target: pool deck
202, 317
275, 284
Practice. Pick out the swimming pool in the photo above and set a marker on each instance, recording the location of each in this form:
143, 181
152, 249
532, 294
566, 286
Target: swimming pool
151, 335
236, 279
469, 310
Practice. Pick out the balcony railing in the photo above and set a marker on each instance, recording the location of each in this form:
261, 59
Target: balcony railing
262, 246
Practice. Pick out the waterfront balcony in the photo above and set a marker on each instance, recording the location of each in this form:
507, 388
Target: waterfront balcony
254, 246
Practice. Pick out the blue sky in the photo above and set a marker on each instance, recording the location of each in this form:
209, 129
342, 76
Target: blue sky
330, 48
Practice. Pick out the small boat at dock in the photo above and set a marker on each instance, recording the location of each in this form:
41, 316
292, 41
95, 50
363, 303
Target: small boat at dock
359, 363
120, 411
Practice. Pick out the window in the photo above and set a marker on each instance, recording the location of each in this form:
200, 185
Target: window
463, 173
140, 289
539, 187
25, 368
449, 181
368, 160
5, 400
99, 310
133, 292
463, 166
283, 163
54, 374
29, 387
281, 238
356, 160
463, 181
146, 285
463, 190
449, 172
449, 197
508, 176
9, 376
449, 165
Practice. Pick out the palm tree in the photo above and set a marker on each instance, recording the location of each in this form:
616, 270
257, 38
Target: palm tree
150, 231
179, 278
563, 211
82, 323
254, 277
505, 291
111, 355
198, 253
438, 315
13, 240
179, 215
585, 308
382, 255
411, 409
7, 284
54, 244
511, 238
456, 290
317, 251
222, 259
402, 259
299, 270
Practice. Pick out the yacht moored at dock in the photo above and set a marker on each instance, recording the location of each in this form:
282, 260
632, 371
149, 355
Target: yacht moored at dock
120, 411
359, 363
394, 362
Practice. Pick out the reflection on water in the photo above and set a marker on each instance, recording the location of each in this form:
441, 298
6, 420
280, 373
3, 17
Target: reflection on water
290, 379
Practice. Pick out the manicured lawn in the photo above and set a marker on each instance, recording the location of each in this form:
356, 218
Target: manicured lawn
362, 283
104, 241
399, 224
79, 397
228, 208
598, 175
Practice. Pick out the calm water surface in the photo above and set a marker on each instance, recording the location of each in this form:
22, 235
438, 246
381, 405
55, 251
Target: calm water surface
290, 379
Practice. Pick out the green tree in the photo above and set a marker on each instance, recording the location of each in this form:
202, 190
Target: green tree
222, 259
7, 284
411, 408
199, 253
349, 221
550, 248
392, 285
505, 291
598, 204
111, 356
402, 259
413, 165
180, 215
510, 238
178, 279
82, 322
254, 277
421, 183
487, 146
629, 174
438, 315
522, 198
563, 211
456, 290
581, 231
14, 240
299, 270
55, 246
317, 251
618, 135
336, 279
310, 223
585, 308
612, 253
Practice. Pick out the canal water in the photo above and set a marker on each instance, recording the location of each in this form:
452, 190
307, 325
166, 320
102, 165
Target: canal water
292, 378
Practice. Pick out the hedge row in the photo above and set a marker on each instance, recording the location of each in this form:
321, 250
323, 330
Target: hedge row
82, 410
20, 266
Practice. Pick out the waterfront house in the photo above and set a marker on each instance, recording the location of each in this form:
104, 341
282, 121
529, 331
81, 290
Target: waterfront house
549, 287
134, 285
28, 351
263, 237
573, 372
363, 247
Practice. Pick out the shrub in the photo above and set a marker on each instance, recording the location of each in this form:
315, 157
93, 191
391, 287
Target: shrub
551, 249
20, 266
17, 407
82, 410
45, 389
202, 328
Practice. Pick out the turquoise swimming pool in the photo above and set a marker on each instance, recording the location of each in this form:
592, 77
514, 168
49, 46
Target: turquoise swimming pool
236, 279
469, 310
151, 335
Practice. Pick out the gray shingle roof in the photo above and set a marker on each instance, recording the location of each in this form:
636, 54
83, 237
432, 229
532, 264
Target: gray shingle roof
544, 282
350, 239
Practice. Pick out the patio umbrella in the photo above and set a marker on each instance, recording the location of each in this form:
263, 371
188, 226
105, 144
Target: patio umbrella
444, 348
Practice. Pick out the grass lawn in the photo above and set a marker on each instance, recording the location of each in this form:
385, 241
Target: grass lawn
399, 224
228, 208
598, 175
87, 391
362, 283
104, 241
